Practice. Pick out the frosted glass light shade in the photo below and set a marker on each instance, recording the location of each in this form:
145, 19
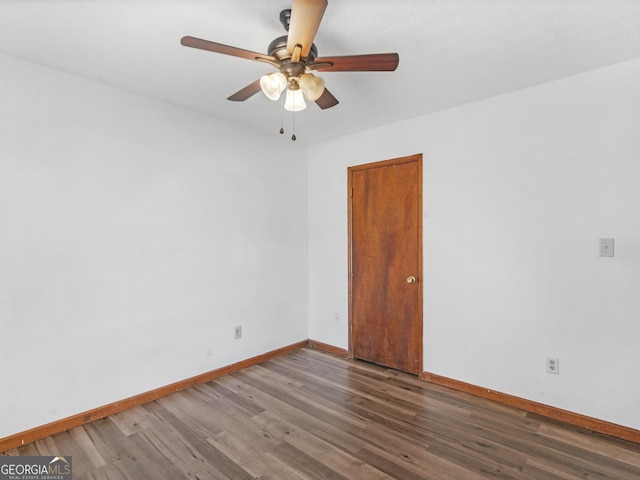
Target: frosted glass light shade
312, 86
273, 85
294, 101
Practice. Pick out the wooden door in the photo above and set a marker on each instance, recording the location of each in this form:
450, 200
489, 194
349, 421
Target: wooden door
385, 256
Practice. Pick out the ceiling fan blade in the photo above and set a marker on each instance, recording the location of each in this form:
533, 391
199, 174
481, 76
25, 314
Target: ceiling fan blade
374, 62
225, 49
247, 92
306, 16
327, 100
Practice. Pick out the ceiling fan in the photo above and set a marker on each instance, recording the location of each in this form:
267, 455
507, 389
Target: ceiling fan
295, 56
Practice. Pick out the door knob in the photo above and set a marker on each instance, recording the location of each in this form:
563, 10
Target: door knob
411, 279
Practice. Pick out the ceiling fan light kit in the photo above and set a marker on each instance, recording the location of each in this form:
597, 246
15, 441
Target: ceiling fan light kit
273, 85
311, 86
294, 102
296, 56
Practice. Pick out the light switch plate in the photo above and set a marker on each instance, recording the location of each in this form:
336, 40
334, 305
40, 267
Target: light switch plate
605, 247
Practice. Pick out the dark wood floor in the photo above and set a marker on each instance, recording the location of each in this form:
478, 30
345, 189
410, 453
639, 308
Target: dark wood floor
311, 415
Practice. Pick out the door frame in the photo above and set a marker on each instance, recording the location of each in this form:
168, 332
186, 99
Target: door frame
383, 163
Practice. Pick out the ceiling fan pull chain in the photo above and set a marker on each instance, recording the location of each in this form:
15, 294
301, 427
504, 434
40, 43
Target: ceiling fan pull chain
281, 115
293, 122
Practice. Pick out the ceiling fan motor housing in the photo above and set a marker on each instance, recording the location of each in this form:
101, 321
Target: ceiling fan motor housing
278, 49
292, 70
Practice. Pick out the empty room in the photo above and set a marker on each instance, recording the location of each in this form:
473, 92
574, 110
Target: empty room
304, 239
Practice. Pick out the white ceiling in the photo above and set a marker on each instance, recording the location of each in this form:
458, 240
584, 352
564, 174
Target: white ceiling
451, 51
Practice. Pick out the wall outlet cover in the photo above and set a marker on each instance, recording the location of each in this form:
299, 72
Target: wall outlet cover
553, 366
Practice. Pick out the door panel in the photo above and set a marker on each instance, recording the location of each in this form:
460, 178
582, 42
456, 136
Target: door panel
385, 252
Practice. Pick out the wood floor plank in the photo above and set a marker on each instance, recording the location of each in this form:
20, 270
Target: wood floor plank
409, 451
110, 471
229, 398
334, 430
131, 421
312, 415
332, 456
180, 452
544, 471
107, 439
306, 465
220, 466
83, 440
618, 452
392, 465
291, 405
253, 456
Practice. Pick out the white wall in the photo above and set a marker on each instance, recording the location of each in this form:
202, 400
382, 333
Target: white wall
134, 236
517, 190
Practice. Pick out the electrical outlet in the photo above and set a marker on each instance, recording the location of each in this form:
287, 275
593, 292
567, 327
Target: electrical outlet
238, 332
553, 366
